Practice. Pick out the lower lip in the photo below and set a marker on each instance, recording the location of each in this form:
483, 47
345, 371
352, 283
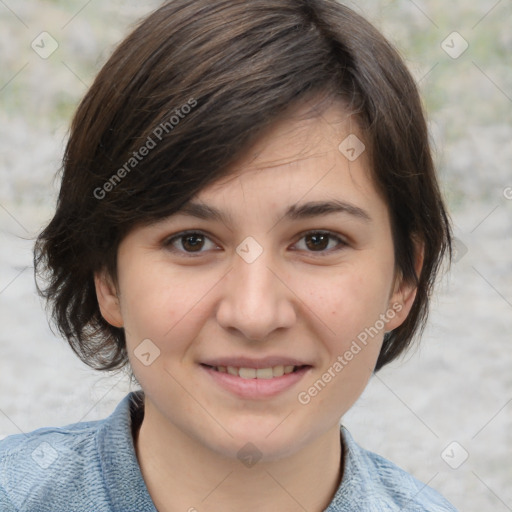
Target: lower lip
256, 388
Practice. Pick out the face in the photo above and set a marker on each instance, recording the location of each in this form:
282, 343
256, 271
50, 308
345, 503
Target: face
257, 314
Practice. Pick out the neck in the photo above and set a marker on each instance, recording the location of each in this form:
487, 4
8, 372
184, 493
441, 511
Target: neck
182, 474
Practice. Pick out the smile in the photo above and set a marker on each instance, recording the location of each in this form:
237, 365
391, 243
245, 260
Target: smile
257, 373
255, 383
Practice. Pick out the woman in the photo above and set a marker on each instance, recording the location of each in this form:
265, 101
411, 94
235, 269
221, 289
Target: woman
249, 217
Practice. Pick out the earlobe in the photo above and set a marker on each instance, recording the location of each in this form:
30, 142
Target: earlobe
108, 300
400, 304
404, 293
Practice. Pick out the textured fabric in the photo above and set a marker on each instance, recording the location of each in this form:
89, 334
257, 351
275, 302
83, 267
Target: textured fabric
372, 483
92, 467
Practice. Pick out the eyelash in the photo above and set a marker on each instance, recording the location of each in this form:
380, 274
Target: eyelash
168, 243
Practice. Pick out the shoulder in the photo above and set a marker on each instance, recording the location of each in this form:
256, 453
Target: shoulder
31, 464
77, 467
372, 483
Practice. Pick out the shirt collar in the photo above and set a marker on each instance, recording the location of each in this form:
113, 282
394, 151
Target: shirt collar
123, 479
126, 487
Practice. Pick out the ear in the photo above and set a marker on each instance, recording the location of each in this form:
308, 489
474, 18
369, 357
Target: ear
108, 299
404, 293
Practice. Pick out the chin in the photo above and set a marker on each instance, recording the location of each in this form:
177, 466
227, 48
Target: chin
265, 439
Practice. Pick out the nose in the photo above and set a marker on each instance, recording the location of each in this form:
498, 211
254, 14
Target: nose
256, 300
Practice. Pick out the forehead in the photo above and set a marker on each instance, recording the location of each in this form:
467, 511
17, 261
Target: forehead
308, 154
306, 131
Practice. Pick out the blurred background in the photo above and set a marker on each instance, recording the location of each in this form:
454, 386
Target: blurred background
444, 411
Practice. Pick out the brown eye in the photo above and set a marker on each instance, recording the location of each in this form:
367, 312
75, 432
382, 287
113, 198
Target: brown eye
189, 243
192, 242
321, 242
317, 241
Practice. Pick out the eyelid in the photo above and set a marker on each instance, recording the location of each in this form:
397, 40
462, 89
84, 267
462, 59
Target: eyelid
342, 242
167, 242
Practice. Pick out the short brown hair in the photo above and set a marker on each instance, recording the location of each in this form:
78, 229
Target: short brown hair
237, 65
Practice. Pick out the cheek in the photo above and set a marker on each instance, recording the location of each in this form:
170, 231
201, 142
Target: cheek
350, 300
160, 305
351, 307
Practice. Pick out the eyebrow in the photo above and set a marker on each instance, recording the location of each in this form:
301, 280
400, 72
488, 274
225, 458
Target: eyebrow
294, 212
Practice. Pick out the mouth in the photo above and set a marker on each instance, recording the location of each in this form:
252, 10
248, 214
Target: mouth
251, 383
270, 372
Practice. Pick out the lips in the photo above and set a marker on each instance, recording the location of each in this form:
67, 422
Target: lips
255, 378
257, 373
249, 362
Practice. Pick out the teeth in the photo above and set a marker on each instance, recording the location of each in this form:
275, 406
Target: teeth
263, 373
259, 373
247, 373
278, 371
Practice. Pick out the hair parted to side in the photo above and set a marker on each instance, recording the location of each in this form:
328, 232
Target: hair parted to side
239, 65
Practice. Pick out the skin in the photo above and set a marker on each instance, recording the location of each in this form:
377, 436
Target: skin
291, 300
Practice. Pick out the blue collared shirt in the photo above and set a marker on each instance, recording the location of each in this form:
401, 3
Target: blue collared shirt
92, 467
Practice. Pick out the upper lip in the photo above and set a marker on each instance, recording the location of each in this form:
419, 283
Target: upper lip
246, 362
